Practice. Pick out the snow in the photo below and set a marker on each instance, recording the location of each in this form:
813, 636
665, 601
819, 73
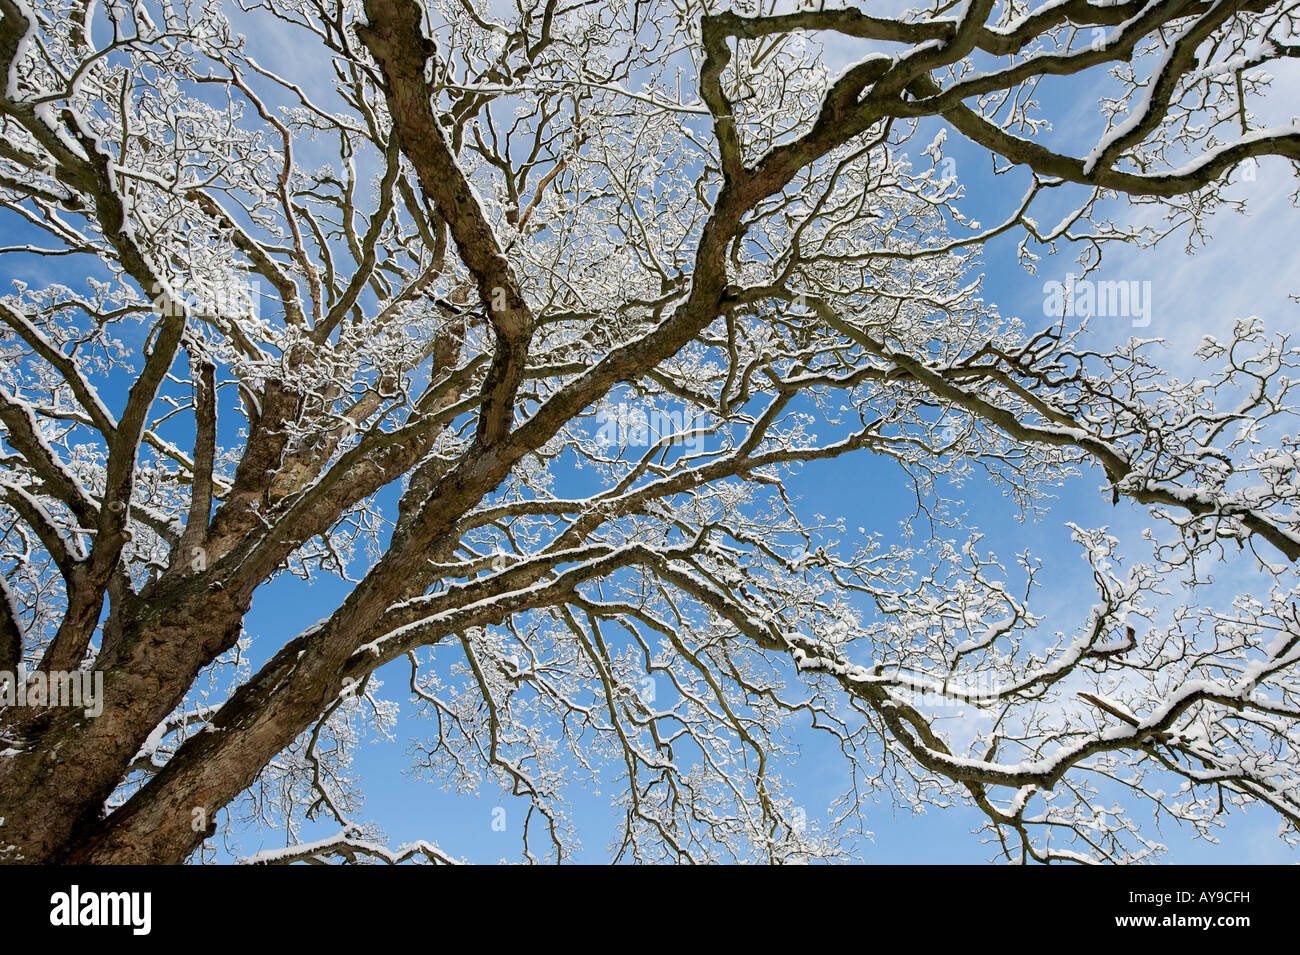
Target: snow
11, 81
1209, 158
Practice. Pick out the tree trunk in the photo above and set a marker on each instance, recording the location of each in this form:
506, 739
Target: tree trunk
53, 792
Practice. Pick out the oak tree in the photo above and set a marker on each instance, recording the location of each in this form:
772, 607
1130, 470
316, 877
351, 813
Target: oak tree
360, 313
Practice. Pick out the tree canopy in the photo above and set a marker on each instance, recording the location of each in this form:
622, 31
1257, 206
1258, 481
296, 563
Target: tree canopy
518, 318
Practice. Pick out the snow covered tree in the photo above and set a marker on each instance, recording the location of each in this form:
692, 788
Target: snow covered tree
362, 314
